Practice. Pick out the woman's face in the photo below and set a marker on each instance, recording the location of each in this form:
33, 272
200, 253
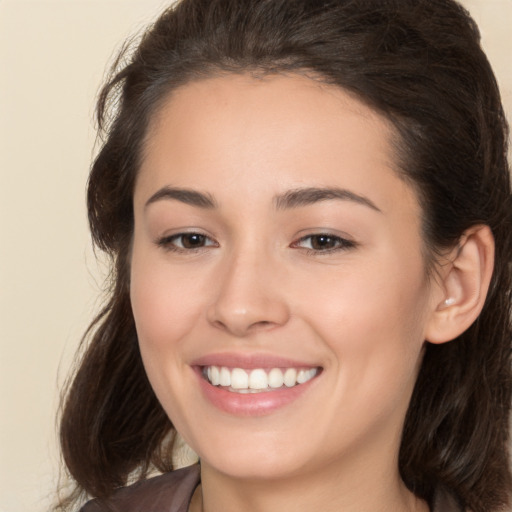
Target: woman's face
277, 278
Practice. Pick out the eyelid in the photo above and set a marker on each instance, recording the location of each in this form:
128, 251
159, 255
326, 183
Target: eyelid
343, 243
166, 241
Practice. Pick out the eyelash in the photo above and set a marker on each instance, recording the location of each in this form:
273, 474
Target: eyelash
169, 242
340, 244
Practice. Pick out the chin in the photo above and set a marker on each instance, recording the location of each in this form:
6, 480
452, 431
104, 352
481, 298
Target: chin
259, 458
259, 468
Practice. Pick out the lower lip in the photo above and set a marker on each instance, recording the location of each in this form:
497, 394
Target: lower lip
251, 404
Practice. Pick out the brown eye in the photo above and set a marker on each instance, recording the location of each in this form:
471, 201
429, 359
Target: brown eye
185, 242
192, 240
324, 242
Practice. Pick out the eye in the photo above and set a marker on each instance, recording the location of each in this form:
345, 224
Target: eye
323, 242
186, 242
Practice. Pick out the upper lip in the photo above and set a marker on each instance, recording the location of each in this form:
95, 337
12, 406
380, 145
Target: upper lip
250, 361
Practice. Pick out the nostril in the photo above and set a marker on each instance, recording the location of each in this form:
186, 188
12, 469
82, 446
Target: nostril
263, 324
219, 324
242, 329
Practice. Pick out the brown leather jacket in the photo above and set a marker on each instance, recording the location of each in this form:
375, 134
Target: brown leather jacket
173, 491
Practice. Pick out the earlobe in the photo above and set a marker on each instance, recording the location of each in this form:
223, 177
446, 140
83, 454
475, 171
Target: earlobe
464, 284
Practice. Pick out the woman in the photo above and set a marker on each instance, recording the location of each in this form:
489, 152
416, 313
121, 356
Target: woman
308, 211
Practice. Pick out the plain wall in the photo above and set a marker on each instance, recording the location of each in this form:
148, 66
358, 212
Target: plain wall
53, 55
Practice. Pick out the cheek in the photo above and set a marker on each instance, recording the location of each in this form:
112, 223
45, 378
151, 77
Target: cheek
165, 304
375, 295
165, 309
373, 321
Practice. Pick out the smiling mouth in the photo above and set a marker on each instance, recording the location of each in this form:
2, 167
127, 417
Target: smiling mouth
257, 380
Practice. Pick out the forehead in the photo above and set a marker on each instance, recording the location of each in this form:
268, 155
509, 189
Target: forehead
272, 132
243, 103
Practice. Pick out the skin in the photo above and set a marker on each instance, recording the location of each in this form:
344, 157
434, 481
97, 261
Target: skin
361, 312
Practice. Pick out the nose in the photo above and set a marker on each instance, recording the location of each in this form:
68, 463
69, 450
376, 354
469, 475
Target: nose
250, 296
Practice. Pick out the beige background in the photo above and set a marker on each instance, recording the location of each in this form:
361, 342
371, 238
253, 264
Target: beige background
52, 58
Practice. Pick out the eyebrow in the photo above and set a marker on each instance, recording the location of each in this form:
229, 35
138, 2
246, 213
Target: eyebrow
184, 195
291, 199
306, 196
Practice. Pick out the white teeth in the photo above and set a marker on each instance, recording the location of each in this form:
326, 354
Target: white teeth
275, 378
214, 375
239, 379
301, 376
247, 381
258, 379
290, 377
225, 377
305, 375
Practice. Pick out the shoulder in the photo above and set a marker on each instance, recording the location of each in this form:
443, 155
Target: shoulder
445, 501
170, 492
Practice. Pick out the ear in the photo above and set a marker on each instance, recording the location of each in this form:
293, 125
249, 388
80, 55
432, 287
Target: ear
460, 294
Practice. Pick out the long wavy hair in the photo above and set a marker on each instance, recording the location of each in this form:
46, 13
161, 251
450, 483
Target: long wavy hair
420, 64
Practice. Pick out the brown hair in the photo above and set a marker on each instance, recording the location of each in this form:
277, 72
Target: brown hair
419, 62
